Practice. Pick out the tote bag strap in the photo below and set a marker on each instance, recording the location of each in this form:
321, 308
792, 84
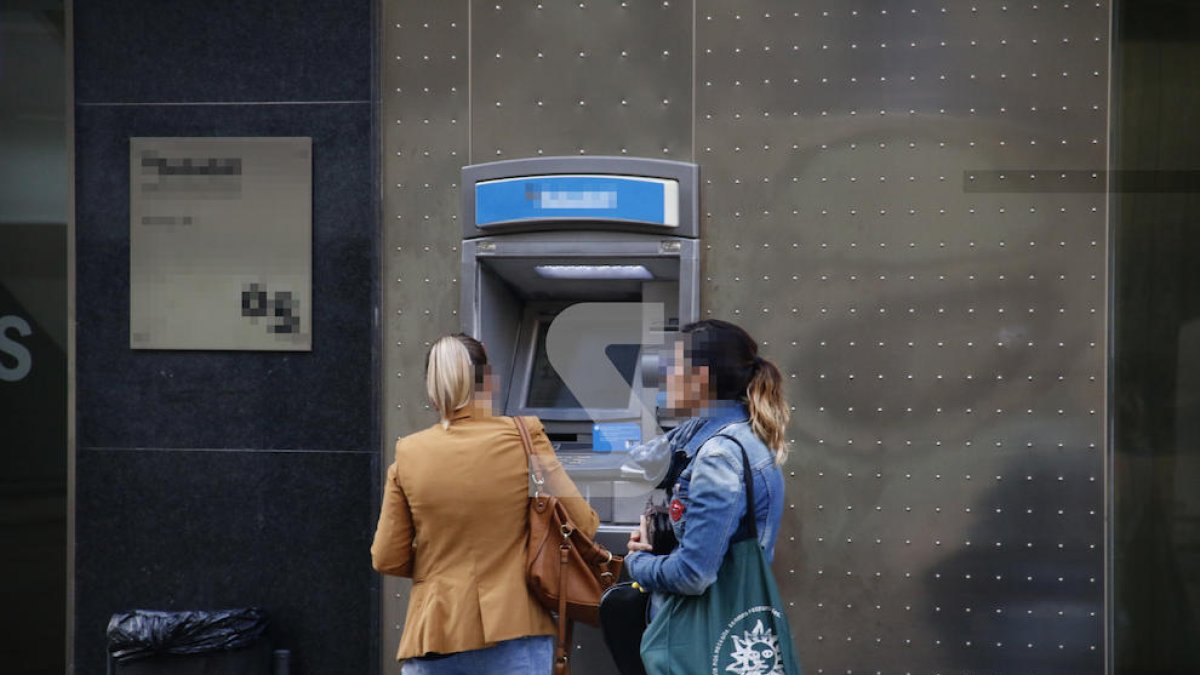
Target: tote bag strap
748, 481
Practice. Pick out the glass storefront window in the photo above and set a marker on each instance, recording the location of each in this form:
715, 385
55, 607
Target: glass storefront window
1157, 338
33, 337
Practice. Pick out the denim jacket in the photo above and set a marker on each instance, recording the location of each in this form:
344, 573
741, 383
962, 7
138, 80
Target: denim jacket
712, 500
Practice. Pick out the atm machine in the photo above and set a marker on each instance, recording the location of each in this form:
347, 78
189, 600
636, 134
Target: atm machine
575, 269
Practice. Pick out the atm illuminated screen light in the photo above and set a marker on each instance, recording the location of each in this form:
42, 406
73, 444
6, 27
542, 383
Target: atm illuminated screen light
637, 272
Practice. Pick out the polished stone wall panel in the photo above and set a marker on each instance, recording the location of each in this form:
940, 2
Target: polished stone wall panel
180, 399
141, 51
206, 529
209, 479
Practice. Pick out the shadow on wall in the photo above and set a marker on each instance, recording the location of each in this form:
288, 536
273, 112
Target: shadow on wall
1017, 591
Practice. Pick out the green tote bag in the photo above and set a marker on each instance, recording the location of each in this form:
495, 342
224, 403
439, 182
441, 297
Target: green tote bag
736, 627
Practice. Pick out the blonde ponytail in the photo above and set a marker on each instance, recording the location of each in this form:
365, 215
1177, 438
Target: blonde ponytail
769, 412
449, 377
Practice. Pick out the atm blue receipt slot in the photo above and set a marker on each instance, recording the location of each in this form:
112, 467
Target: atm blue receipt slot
615, 436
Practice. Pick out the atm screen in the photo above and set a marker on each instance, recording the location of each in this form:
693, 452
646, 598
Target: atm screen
547, 389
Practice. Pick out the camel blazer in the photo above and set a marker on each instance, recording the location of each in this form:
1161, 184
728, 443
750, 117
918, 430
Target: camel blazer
455, 519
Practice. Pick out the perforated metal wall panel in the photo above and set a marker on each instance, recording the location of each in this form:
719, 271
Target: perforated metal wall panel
426, 136
905, 204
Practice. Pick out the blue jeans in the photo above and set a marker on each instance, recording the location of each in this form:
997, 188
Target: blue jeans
532, 655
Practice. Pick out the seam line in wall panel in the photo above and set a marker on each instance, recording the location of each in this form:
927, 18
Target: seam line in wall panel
693, 83
187, 103
1109, 335
470, 68
72, 310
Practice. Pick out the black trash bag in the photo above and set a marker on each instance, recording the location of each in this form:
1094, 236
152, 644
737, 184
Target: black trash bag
142, 633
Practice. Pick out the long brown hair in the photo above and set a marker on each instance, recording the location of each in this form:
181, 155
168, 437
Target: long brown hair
737, 373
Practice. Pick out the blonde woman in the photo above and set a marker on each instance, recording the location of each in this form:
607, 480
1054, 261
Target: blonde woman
454, 519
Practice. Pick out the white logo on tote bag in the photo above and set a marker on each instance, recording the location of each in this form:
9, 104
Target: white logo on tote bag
748, 650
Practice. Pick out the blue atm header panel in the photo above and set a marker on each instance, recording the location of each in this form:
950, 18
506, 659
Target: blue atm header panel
636, 199
594, 193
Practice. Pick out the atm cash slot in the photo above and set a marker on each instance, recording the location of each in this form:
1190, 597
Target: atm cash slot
585, 465
597, 475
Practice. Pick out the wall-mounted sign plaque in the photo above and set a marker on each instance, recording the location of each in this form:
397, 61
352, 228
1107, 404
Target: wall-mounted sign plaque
220, 238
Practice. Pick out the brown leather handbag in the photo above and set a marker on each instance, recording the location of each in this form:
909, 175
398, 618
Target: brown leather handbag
564, 568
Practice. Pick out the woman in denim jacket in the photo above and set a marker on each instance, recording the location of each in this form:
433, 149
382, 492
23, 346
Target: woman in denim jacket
736, 400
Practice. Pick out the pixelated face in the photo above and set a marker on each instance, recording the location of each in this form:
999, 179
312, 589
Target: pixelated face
485, 387
687, 387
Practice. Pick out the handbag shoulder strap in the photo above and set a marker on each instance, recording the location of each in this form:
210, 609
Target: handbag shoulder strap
749, 520
535, 469
561, 648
